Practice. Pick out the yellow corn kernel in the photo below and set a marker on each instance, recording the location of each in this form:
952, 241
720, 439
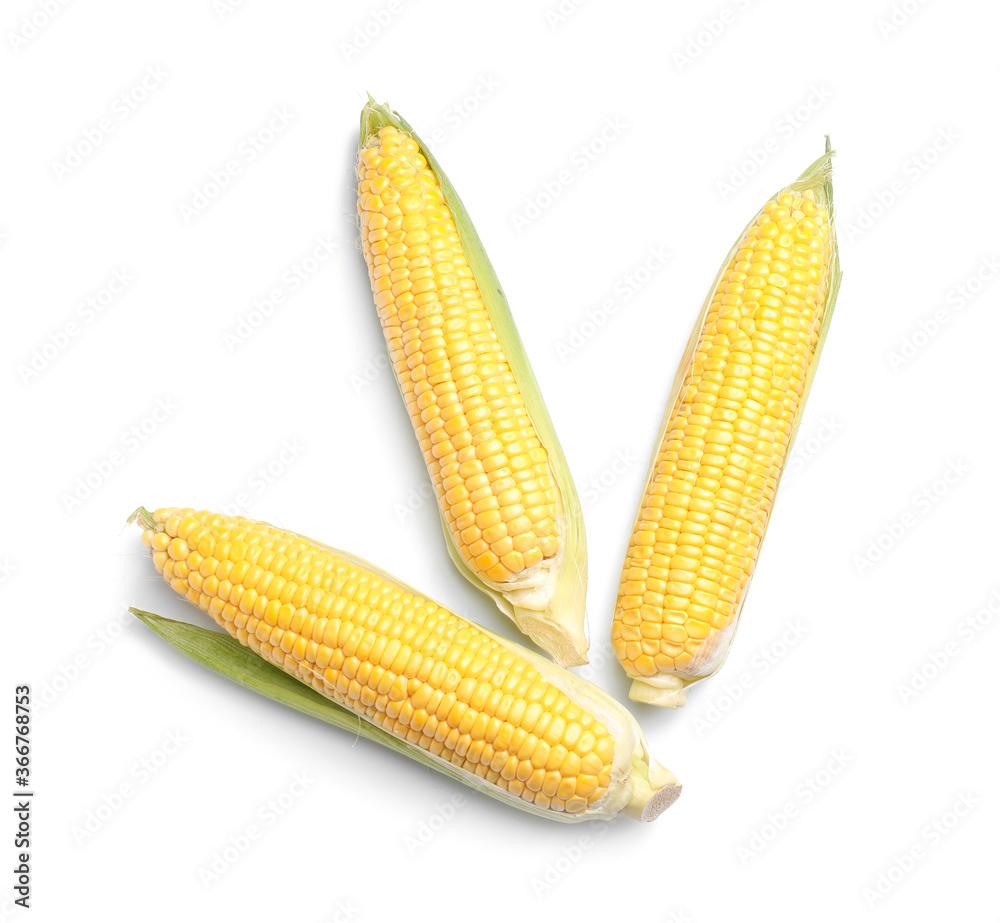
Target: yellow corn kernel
452, 360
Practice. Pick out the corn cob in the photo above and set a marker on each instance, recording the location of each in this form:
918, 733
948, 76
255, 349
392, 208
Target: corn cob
509, 721
509, 509
729, 424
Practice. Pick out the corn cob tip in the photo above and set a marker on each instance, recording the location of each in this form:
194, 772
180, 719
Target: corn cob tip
817, 176
143, 616
375, 115
654, 789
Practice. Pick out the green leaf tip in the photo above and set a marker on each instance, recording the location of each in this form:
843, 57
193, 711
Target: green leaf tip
818, 174
374, 116
224, 655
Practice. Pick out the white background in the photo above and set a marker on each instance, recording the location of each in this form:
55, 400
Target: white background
365, 835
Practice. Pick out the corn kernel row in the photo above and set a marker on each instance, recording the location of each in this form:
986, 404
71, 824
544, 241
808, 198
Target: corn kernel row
489, 469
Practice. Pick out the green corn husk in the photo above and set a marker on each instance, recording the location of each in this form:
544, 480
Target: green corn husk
556, 619
669, 689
